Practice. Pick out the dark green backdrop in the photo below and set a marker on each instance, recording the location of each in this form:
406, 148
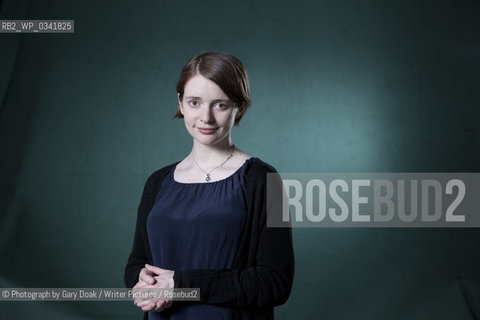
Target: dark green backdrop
337, 86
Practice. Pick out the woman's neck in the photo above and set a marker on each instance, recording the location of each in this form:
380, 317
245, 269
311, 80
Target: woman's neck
211, 155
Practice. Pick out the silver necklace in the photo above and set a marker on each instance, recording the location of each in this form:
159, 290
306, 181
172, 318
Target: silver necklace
208, 172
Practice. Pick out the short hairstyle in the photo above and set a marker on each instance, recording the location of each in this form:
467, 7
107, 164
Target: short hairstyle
224, 70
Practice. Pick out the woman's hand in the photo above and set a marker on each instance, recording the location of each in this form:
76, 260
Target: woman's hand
154, 277
163, 277
146, 276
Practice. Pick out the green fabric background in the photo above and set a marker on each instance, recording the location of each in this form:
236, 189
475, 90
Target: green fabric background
337, 86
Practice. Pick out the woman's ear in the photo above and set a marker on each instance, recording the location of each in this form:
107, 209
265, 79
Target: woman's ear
240, 110
180, 107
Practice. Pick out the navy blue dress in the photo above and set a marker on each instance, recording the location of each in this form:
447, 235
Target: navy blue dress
198, 226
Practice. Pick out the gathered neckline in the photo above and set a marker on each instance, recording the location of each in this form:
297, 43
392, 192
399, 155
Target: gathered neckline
172, 175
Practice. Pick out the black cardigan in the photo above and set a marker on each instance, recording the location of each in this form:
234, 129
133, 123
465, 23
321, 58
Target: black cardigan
262, 272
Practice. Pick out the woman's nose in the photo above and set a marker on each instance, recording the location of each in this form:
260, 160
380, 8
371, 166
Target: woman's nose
206, 115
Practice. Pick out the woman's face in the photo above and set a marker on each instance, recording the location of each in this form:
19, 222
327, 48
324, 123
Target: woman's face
208, 112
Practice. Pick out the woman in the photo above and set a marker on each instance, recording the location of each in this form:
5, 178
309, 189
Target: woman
202, 221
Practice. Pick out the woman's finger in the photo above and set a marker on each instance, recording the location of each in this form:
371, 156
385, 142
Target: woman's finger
162, 304
149, 307
146, 276
159, 306
155, 270
140, 284
142, 303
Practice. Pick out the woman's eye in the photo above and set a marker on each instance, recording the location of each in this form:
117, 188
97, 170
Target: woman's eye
193, 103
222, 106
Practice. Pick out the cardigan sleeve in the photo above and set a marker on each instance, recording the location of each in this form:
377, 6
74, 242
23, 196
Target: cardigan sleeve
266, 281
138, 256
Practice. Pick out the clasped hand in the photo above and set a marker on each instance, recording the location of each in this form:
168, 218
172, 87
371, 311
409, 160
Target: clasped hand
154, 277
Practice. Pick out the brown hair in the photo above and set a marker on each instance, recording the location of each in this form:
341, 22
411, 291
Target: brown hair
226, 71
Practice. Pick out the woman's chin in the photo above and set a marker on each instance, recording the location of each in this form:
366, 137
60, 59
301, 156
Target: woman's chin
208, 141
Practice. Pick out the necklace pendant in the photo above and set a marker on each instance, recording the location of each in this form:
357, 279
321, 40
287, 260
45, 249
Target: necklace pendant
208, 178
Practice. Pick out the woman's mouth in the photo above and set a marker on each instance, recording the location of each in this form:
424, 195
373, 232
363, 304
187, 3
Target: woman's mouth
207, 130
